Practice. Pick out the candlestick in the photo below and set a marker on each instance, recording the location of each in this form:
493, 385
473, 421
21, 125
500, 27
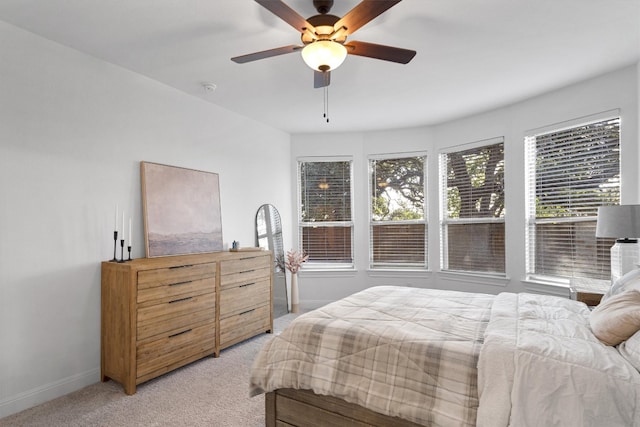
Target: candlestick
121, 250
115, 240
129, 249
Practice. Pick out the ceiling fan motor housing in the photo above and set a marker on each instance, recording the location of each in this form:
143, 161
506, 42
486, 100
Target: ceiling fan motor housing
324, 28
323, 6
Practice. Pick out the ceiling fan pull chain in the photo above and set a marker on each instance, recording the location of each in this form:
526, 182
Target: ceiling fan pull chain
326, 103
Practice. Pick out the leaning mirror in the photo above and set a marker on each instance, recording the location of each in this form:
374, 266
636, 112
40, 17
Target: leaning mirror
269, 236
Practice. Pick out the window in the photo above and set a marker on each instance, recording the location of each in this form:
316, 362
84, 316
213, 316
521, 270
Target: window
472, 191
570, 172
325, 221
397, 228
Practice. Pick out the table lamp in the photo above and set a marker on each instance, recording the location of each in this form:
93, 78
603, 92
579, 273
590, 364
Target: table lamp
621, 222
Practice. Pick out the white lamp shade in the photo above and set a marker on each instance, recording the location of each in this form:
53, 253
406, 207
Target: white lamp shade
324, 55
620, 222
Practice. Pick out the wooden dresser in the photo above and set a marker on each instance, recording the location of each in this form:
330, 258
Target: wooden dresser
159, 314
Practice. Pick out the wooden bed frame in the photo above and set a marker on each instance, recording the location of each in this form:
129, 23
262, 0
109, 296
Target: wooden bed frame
303, 408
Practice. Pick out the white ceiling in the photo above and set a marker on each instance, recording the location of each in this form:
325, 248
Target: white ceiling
472, 55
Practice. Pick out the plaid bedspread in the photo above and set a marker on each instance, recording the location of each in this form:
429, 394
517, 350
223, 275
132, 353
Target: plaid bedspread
405, 352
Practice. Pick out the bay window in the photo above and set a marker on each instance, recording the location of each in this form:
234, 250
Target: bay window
473, 208
397, 224
325, 212
571, 171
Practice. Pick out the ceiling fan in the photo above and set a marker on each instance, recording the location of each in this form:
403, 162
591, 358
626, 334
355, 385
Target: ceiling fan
324, 37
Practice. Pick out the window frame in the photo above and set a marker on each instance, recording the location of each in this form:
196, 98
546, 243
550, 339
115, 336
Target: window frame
445, 221
530, 179
381, 266
324, 265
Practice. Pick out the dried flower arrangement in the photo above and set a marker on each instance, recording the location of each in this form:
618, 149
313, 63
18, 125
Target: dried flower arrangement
294, 260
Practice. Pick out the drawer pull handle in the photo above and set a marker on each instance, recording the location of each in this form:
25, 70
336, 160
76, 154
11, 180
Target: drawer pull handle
248, 311
247, 284
180, 266
181, 283
247, 271
180, 300
180, 333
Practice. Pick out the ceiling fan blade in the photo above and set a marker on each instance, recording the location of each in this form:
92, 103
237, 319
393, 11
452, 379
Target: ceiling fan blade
265, 54
288, 15
378, 51
364, 12
321, 79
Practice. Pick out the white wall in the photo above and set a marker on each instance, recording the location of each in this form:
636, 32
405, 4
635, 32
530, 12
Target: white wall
615, 90
73, 130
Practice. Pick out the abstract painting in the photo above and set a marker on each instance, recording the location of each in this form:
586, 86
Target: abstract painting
181, 210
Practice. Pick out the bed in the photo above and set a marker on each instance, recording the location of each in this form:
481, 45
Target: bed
400, 356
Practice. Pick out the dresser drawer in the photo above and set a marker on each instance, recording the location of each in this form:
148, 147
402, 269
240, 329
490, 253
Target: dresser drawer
173, 275
160, 317
244, 277
241, 298
158, 326
244, 269
174, 291
241, 326
175, 349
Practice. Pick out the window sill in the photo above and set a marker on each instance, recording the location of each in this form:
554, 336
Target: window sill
328, 272
475, 278
546, 287
399, 272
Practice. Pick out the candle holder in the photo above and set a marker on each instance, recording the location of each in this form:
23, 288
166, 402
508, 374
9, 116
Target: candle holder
129, 250
115, 241
121, 250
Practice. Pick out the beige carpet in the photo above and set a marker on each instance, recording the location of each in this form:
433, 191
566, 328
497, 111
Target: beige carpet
210, 392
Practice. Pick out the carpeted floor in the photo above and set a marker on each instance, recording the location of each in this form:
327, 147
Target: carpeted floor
210, 392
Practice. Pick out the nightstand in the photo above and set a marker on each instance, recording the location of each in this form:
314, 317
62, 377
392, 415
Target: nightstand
588, 291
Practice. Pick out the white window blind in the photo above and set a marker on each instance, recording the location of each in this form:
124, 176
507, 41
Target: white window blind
570, 173
325, 221
397, 228
473, 208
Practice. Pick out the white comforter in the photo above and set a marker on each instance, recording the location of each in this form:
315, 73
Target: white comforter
540, 365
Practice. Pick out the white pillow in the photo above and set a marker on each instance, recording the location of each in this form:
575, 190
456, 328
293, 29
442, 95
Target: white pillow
631, 280
630, 350
616, 319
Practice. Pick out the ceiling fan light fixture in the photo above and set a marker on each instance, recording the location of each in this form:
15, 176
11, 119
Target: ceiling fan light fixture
324, 55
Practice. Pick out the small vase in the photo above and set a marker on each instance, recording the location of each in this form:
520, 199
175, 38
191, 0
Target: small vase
294, 293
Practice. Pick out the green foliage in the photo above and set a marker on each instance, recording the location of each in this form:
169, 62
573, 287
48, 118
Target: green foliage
475, 182
398, 189
326, 191
577, 170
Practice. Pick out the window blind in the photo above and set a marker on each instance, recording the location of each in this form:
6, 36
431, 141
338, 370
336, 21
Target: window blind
398, 229
570, 173
473, 208
326, 227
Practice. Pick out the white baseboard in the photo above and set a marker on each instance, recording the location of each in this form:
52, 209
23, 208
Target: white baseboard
308, 305
46, 392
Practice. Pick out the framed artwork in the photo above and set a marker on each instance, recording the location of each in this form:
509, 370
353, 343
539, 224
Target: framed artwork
181, 210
